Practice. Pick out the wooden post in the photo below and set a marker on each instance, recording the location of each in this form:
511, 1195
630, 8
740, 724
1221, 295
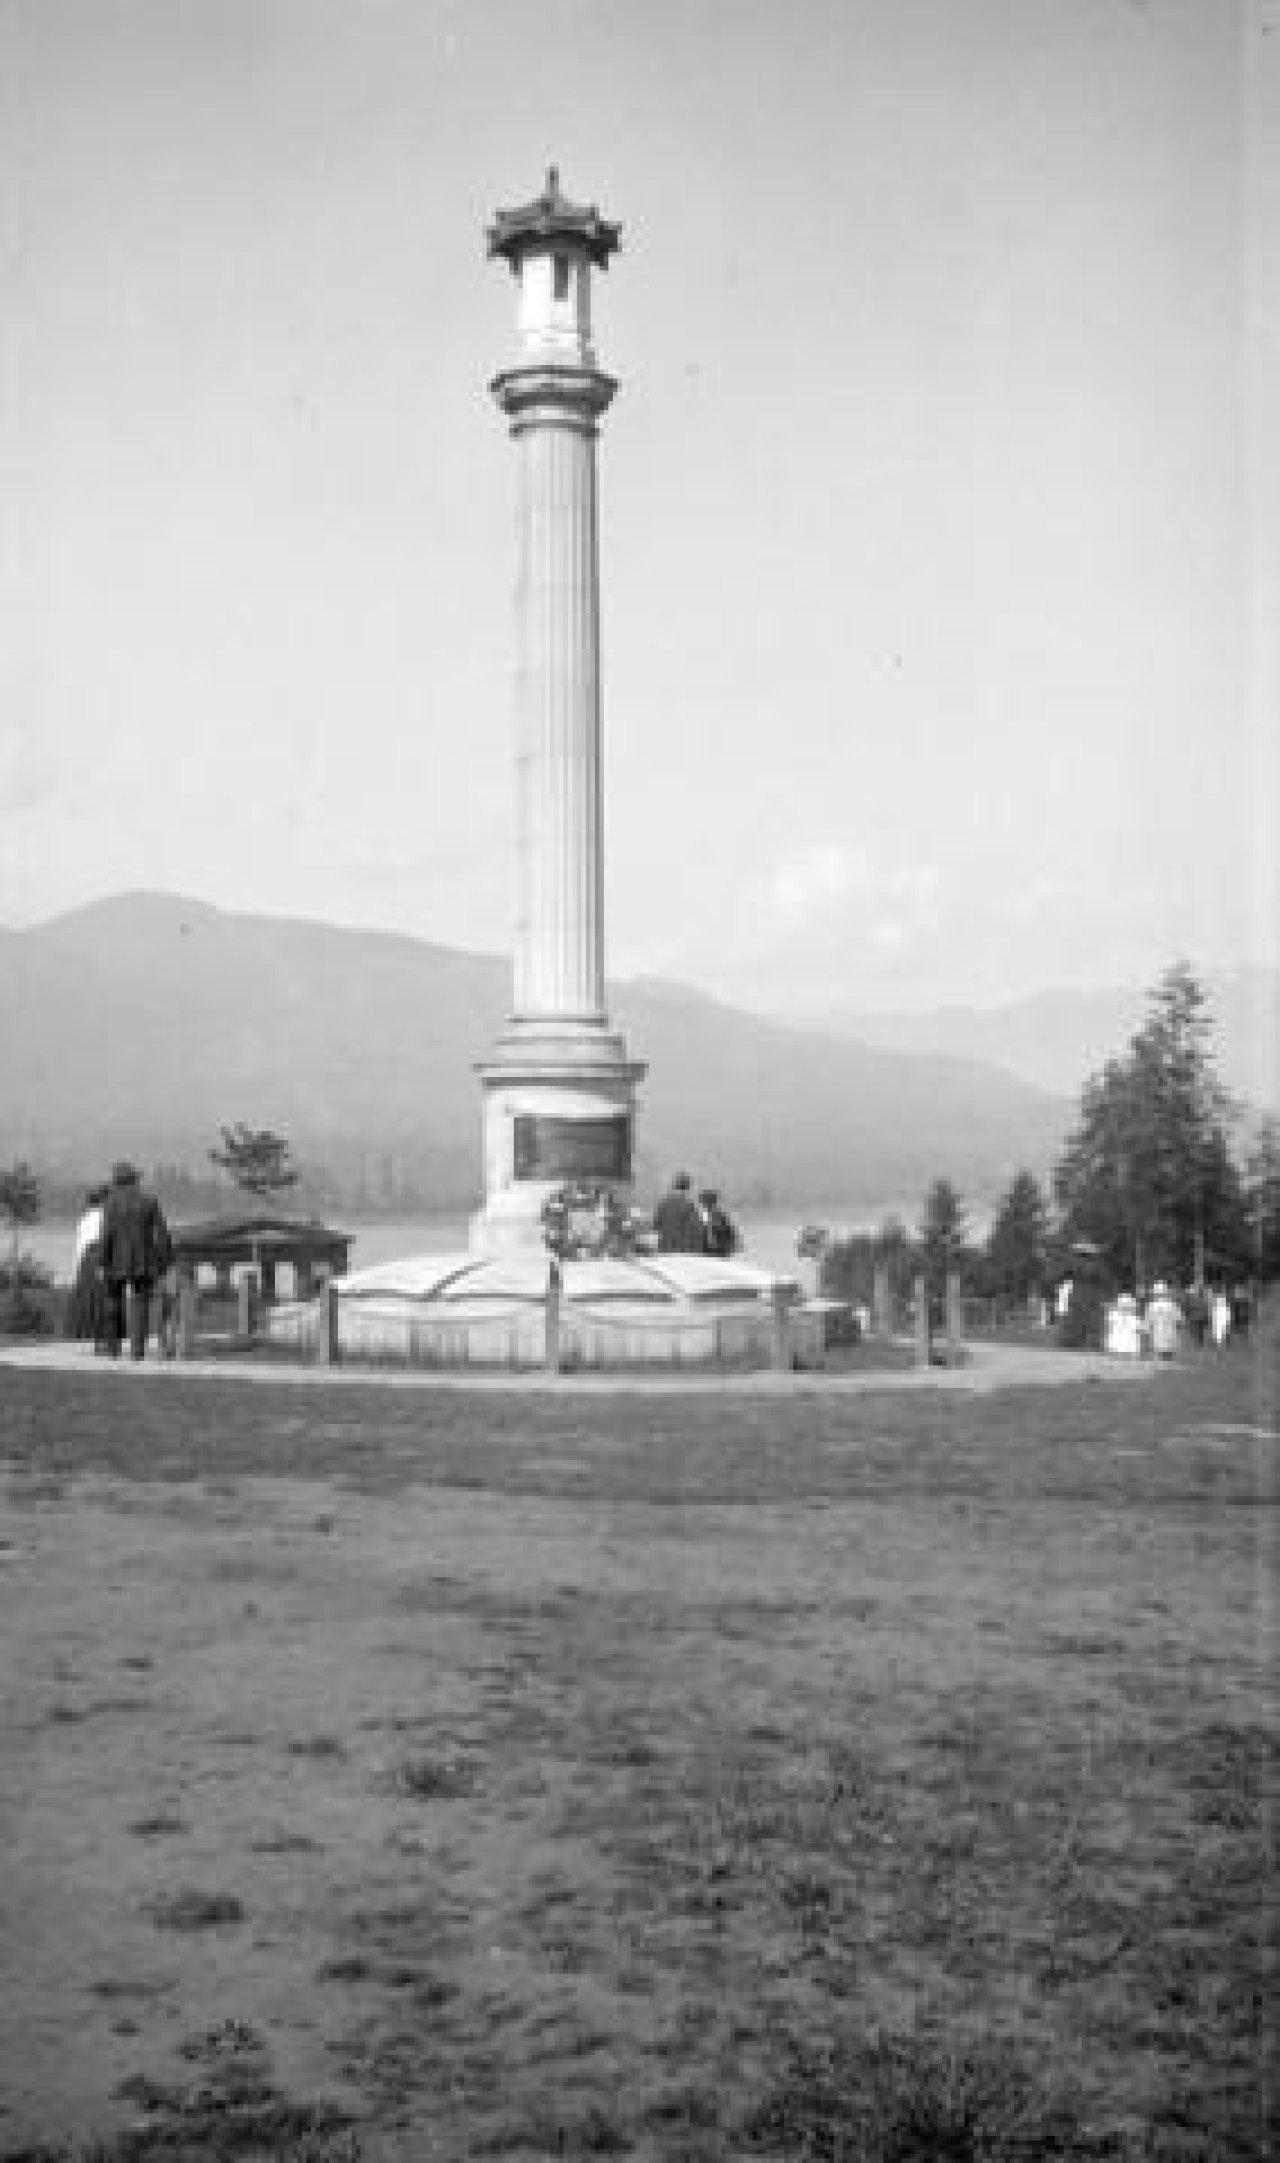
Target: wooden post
328, 1349
186, 1314
921, 1316
781, 1334
818, 1348
881, 1303
245, 1304
552, 1356
955, 1313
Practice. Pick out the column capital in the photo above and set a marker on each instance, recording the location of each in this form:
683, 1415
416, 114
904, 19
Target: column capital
550, 396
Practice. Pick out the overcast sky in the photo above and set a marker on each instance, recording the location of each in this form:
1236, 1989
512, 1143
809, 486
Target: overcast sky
934, 499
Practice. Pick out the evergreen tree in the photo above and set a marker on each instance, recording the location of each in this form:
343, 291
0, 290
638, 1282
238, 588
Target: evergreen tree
846, 1267
19, 1196
1016, 1262
942, 1234
20, 1205
1147, 1174
849, 1264
1263, 1202
257, 1159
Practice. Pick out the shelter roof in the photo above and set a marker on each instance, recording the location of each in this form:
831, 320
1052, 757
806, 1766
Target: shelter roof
229, 1238
550, 217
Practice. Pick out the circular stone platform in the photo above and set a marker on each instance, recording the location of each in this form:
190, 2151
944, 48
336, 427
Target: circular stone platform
509, 1310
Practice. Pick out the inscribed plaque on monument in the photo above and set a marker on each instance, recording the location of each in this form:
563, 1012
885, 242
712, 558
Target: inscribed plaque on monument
556, 1148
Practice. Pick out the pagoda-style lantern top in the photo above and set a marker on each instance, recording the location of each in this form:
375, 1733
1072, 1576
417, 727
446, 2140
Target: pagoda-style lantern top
551, 245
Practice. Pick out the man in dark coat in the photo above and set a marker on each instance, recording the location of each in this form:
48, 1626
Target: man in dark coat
136, 1251
677, 1220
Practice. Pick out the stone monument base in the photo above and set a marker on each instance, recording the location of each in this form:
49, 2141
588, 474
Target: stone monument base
559, 1109
515, 1311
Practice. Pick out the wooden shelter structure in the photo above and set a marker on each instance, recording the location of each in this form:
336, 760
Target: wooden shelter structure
262, 1241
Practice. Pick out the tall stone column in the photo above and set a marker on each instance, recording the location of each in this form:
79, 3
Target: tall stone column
559, 1090
559, 936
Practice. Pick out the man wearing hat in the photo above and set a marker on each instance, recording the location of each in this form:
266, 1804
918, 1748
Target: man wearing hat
136, 1251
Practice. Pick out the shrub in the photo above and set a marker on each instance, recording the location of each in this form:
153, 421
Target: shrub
28, 1302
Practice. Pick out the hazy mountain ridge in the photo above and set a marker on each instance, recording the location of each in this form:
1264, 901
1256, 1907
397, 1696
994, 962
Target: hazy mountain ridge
144, 1022
1054, 1039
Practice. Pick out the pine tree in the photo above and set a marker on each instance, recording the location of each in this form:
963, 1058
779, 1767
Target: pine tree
1263, 1201
1015, 1257
257, 1159
20, 1205
942, 1234
1147, 1175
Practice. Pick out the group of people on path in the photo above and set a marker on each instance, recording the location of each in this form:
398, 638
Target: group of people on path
124, 1256
1135, 1329
684, 1224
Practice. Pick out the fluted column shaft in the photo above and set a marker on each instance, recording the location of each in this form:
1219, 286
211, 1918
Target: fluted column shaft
559, 941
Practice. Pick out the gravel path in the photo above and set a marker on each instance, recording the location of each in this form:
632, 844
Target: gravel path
989, 1367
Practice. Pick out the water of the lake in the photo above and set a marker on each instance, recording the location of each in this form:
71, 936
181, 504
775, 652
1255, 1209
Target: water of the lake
769, 1235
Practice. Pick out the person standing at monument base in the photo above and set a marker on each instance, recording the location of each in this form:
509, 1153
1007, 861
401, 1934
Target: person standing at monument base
87, 1316
677, 1220
136, 1251
719, 1232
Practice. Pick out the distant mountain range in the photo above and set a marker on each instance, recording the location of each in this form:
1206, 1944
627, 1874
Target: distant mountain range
1056, 1039
141, 1024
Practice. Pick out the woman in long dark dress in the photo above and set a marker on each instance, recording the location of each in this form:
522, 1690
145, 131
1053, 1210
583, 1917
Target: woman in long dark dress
87, 1315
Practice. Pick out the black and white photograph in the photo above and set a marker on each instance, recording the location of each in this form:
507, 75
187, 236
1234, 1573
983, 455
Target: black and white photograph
639, 1081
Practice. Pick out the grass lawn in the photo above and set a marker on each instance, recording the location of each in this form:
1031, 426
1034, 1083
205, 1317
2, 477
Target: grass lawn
396, 1774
